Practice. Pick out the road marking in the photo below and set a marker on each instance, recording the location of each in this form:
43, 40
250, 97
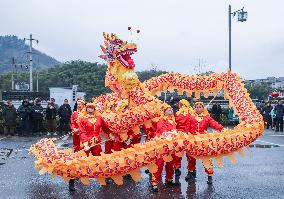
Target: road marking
269, 142
3, 138
276, 135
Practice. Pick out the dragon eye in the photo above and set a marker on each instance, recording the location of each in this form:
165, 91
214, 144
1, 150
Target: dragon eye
117, 46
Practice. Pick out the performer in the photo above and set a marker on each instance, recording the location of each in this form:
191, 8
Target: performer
90, 127
74, 124
75, 117
199, 123
150, 133
183, 124
114, 142
165, 124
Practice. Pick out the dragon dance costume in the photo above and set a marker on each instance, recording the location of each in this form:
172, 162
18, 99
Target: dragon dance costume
165, 124
123, 81
198, 125
74, 124
90, 127
114, 142
181, 117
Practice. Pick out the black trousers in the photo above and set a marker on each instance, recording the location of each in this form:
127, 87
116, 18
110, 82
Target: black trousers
268, 120
279, 123
24, 127
64, 125
37, 126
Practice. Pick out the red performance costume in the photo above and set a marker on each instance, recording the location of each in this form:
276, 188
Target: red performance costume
114, 142
183, 124
150, 131
74, 124
199, 124
165, 124
90, 127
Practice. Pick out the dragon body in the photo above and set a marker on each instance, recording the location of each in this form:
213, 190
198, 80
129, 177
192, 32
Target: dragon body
143, 107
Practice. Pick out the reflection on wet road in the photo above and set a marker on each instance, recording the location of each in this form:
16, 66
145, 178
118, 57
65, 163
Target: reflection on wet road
259, 175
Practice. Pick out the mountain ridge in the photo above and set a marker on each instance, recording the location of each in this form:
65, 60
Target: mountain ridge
11, 46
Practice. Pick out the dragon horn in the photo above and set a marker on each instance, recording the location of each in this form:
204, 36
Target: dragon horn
107, 44
113, 36
103, 49
106, 36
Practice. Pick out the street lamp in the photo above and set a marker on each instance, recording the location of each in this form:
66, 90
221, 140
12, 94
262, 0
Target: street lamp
242, 16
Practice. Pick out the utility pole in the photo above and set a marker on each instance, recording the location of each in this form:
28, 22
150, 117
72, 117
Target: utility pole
36, 81
31, 60
242, 16
230, 35
12, 78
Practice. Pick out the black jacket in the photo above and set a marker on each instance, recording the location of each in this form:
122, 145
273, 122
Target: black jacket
65, 111
37, 111
279, 110
10, 115
24, 111
51, 112
266, 111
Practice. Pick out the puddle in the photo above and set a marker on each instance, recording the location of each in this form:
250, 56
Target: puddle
263, 146
66, 145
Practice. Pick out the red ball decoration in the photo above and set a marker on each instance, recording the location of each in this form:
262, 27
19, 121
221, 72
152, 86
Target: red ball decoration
129, 28
138, 31
274, 94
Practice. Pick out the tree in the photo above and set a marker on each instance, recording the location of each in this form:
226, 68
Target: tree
90, 77
260, 92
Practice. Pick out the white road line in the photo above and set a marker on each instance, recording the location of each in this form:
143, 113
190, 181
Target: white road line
276, 135
3, 138
269, 142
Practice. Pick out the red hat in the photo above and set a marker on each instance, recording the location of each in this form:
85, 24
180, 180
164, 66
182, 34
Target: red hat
90, 105
199, 103
80, 101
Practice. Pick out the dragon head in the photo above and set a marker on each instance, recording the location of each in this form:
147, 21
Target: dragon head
116, 50
120, 75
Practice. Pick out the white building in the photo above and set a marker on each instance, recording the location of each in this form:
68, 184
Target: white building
61, 93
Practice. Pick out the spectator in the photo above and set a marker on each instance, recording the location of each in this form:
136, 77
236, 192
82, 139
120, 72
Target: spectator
10, 116
51, 118
216, 112
55, 105
1, 120
24, 112
279, 111
75, 105
266, 111
37, 117
64, 113
273, 116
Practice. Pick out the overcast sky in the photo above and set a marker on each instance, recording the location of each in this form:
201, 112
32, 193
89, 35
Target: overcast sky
174, 34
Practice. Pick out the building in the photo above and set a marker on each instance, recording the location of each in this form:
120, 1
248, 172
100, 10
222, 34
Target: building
69, 93
273, 82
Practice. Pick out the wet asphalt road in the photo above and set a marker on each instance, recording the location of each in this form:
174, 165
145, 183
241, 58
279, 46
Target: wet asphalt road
260, 175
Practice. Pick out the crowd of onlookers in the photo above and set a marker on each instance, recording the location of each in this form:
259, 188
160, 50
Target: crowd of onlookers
273, 115
32, 119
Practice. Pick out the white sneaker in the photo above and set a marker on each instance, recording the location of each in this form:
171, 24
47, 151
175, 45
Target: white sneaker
48, 134
54, 133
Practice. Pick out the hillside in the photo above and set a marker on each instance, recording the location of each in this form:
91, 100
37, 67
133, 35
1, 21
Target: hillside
12, 46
